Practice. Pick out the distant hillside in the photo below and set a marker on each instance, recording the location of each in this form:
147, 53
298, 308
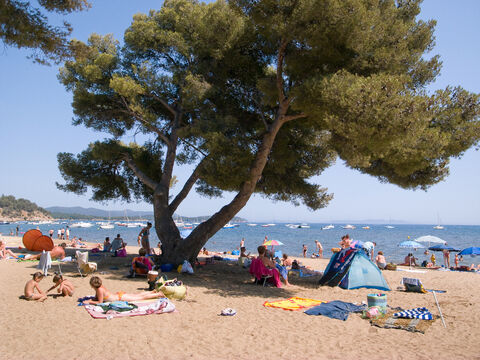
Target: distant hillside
12, 209
77, 212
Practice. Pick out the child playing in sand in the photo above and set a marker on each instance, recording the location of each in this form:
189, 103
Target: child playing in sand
103, 295
65, 287
30, 287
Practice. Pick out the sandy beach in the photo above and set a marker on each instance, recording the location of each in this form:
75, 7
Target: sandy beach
58, 328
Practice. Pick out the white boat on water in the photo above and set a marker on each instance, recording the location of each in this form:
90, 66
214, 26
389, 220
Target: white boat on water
439, 227
328, 227
81, 224
251, 224
390, 227
229, 226
348, 227
106, 226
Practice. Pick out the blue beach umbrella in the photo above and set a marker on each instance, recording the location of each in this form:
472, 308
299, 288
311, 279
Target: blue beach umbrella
410, 244
441, 247
472, 251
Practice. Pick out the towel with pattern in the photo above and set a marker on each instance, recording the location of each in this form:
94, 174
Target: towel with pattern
421, 313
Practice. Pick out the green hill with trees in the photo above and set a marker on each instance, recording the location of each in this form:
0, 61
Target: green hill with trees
20, 209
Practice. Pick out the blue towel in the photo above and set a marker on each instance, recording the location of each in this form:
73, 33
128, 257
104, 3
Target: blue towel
421, 313
335, 309
282, 270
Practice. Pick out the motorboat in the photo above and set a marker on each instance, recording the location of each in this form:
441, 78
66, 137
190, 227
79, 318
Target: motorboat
439, 227
106, 226
366, 227
229, 226
251, 224
81, 224
328, 227
390, 227
348, 227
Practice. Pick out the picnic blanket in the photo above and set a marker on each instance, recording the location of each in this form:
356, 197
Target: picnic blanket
104, 311
293, 303
412, 325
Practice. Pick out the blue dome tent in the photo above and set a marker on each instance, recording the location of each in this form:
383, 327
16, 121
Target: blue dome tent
351, 269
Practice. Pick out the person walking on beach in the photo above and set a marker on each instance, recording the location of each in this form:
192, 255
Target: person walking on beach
143, 239
67, 233
242, 243
50, 232
319, 248
305, 250
16, 230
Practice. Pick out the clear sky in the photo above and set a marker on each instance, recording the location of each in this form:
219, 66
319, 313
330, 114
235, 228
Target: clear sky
35, 125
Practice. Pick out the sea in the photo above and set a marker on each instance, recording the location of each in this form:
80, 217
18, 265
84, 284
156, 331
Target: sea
293, 238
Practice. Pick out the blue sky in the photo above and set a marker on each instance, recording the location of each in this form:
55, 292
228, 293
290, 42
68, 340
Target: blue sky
35, 125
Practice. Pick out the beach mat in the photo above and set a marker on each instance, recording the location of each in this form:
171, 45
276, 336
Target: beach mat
412, 325
157, 306
293, 303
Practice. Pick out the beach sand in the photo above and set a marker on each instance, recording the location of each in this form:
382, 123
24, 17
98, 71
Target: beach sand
58, 328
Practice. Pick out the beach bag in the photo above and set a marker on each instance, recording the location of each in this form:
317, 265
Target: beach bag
172, 289
187, 267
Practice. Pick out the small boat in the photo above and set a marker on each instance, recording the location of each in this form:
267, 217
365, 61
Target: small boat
366, 227
251, 224
439, 227
106, 226
229, 226
348, 227
328, 227
390, 227
81, 224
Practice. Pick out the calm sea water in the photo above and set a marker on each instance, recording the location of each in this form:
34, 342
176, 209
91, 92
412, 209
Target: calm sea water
459, 236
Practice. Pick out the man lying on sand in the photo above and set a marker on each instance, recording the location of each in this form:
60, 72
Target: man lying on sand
30, 287
58, 252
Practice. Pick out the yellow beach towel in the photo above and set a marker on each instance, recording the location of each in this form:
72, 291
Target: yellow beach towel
294, 303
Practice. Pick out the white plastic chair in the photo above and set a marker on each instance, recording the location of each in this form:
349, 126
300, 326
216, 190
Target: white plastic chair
83, 264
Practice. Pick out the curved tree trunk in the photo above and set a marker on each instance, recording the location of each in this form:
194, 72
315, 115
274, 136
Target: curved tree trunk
175, 249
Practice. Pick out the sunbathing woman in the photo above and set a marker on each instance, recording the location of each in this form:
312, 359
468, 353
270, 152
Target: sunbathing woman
4, 251
271, 264
103, 295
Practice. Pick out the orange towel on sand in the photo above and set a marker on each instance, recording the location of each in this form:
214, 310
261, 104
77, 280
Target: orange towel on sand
294, 303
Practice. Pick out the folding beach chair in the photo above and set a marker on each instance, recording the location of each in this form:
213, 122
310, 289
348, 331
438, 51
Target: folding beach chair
83, 265
259, 271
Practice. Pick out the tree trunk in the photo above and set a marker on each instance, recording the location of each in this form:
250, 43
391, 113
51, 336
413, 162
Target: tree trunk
175, 249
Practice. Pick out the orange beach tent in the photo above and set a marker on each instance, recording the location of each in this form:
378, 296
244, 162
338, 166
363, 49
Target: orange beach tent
35, 241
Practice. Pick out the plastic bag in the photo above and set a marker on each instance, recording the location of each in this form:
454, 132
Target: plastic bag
187, 267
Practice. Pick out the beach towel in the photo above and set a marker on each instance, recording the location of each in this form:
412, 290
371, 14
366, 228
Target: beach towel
412, 325
158, 306
293, 303
335, 309
421, 313
45, 262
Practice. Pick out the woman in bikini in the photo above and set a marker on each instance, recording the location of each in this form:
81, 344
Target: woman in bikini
103, 295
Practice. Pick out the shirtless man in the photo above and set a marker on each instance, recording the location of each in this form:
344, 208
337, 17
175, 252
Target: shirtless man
30, 287
380, 260
65, 286
58, 252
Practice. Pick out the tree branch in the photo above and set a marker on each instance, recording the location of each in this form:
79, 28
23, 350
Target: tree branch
193, 147
165, 104
144, 122
186, 188
293, 117
280, 58
139, 173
